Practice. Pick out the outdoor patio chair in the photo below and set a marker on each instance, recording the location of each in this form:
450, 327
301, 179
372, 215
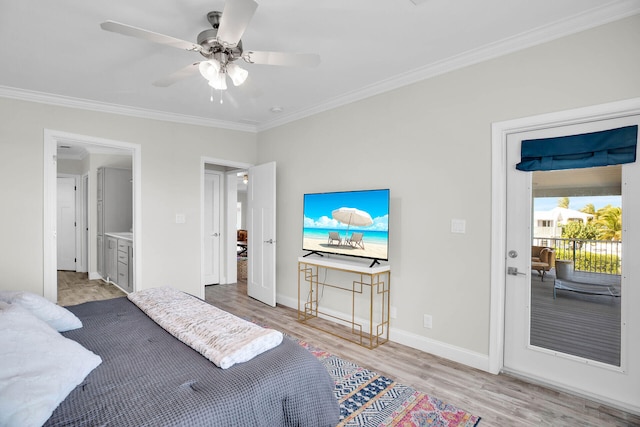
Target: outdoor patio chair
355, 240
543, 259
333, 236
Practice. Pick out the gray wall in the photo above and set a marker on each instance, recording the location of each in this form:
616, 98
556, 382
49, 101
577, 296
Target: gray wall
430, 143
171, 161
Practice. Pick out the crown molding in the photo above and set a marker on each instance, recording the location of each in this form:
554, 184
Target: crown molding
602, 15
103, 107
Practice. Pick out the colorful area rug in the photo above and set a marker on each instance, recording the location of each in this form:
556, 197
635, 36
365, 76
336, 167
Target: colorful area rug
368, 399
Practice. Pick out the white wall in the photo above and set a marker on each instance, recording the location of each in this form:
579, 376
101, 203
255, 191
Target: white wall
430, 143
69, 166
242, 198
170, 170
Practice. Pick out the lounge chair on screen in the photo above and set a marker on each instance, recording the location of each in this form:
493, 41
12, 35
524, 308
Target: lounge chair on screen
355, 240
333, 237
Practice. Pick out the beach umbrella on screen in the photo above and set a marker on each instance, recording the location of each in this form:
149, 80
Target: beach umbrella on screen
352, 216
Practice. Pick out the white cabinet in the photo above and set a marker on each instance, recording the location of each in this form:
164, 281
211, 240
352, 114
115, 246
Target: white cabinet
114, 192
111, 259
125, 264
119, 260
101, 245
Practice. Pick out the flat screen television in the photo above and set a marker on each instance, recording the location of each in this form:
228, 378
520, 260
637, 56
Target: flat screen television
352, 223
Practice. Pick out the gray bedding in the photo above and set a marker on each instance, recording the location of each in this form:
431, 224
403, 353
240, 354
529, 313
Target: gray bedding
149, 378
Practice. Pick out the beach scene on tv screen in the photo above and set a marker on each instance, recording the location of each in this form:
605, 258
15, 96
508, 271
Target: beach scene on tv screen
348, 223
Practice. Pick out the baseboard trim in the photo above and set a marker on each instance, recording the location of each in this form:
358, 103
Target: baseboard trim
428, 345
95, 276
440, 349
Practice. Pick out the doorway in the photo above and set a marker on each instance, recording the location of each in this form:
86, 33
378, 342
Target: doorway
261, 226
220, 265
511, 349
72, 221
52, 140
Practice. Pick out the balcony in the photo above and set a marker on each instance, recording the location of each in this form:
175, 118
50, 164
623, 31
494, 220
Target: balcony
576, 323
589, 256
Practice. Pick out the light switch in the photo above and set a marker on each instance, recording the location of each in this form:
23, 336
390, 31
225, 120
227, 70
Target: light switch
181, 219
458, 226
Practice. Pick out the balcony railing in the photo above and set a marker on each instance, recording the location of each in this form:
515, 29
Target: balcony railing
593, 256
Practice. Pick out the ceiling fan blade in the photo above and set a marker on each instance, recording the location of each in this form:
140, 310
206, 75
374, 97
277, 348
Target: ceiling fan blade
129, 30
183, 73
236, 16
282, 58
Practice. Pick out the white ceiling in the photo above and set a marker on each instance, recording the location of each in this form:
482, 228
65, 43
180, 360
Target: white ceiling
55, 51
595, 181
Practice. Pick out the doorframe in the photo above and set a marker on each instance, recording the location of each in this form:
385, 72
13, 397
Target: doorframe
51, 138
229, 226
499, 133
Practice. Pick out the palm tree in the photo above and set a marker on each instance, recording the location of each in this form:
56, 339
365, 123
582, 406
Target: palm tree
563, 202
589, 209
610, 223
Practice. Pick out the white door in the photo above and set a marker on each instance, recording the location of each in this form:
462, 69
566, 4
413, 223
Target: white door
617, 384
66, 223
212, 237
261, 227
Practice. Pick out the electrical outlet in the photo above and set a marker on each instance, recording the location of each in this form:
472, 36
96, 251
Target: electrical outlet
181, 218
393, 312
428, 321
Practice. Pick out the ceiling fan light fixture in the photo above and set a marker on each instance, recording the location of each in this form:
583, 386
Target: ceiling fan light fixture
238, 74
219, 81
209, 69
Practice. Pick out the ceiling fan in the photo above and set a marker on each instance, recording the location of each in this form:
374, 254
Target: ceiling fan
221, 46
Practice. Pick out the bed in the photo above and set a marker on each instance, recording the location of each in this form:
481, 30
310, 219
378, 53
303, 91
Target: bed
149, 378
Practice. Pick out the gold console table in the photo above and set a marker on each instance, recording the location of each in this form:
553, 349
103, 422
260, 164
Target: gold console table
370, 331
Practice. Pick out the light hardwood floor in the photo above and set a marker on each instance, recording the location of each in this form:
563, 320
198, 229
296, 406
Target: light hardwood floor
500, 400
76, 288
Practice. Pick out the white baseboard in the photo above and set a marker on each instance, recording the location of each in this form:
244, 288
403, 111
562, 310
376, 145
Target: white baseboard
440, 349
428, 345
94, 275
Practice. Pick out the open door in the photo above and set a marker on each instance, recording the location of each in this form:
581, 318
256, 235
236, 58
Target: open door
261, 227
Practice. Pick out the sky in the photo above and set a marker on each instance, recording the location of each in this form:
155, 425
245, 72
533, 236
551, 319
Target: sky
318, 207
576, 203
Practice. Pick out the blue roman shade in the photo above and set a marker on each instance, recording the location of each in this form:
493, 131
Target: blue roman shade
603, 148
